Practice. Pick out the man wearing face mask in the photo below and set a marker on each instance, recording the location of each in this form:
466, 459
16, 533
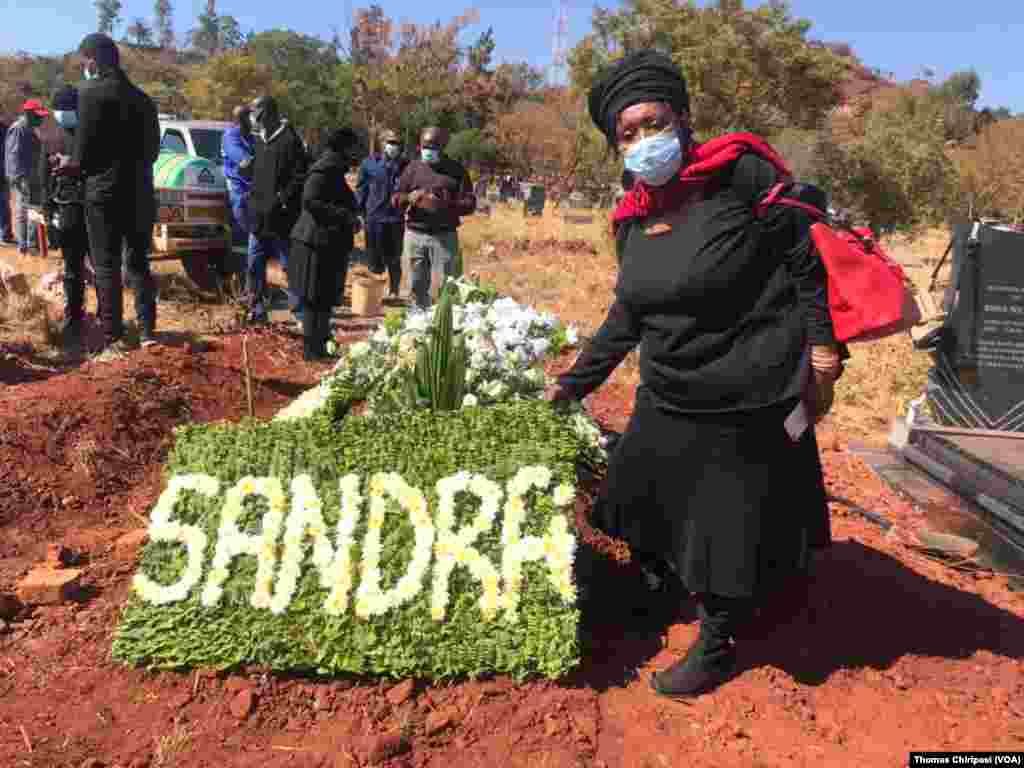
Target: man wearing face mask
116, 143
21, 159
718, 472
279, 171
436, 192
376, 186
65, 197
237, 151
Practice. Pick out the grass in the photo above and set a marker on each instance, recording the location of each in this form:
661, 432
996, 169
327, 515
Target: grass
502, 249
167, 748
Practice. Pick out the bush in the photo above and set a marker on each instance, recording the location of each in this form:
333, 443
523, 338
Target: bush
482, 629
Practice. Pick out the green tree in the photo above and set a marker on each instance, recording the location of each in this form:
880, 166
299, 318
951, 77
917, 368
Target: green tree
473, 147
108, 15
163, 14
481, 52
315, 91
962, 88
897, 173
214, 33
746, 69
139, 33
215, 88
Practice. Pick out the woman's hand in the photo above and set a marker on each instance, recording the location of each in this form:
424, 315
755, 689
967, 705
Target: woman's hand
825, 369
822, 393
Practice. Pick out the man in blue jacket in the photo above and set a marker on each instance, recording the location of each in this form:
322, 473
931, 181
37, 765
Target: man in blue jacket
237, 150
21, 167
375, 187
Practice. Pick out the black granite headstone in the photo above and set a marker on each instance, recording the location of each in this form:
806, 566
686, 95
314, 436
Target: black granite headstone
979, 376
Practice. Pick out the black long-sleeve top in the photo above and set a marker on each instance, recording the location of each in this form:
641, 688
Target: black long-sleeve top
117, 139
723, 306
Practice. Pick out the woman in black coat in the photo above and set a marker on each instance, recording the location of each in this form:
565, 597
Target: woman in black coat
718, 472
322, 240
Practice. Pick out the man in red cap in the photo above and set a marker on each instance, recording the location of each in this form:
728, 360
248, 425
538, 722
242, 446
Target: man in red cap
21, 155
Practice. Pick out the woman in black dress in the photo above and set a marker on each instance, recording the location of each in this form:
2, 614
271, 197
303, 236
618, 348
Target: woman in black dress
322, 240
714, 473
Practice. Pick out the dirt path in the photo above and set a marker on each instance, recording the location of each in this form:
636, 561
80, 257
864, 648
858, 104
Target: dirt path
882, 651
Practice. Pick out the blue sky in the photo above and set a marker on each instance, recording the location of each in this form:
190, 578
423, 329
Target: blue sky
899, 36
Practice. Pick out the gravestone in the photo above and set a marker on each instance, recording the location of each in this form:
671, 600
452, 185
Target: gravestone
978, 379
533, 199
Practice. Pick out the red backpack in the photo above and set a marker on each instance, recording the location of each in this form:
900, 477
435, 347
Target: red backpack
868, 293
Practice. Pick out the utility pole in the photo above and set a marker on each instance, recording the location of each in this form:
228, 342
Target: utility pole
559, 43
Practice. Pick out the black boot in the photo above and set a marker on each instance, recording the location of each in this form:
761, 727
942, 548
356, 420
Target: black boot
310, 334
711, 660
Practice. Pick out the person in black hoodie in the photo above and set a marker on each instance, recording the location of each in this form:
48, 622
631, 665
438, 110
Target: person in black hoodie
116, 144
65, 202
275, 200
322, 240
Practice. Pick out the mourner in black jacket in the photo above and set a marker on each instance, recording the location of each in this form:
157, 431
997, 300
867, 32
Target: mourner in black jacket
322, 240
116, 144
718, 472
275, 200
65, 206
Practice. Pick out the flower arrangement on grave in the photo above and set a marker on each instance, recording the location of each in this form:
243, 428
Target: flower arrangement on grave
432, 535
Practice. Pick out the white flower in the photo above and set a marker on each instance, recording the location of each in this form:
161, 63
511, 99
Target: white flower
469, 401
572, 336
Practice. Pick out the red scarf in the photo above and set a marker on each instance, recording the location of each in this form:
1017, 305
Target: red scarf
704, 162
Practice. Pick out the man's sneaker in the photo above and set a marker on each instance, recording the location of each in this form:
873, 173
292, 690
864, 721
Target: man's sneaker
147, 340
253, 319
114, 351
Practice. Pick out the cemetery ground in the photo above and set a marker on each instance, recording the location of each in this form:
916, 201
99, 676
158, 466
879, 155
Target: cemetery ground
881, 651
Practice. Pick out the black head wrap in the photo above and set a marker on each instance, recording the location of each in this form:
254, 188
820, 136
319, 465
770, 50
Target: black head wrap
342, 140
102, 48
637, 78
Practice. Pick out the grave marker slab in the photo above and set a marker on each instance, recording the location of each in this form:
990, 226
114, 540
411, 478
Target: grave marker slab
979, 377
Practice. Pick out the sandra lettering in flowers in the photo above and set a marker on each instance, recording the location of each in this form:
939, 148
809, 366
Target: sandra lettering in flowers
294, 536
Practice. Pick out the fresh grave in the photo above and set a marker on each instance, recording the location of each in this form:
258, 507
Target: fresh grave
409, 541
505, 343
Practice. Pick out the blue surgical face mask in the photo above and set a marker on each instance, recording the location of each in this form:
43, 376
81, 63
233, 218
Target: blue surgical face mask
68, 120
430, 155
655, 159
90, 71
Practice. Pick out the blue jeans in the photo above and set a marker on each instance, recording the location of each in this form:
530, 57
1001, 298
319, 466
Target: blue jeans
261, 249
6, 232
239, 216
24, 230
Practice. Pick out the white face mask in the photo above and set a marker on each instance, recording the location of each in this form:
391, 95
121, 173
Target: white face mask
391, 151
90, 71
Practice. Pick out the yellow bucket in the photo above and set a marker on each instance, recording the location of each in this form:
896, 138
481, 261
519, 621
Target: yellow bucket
367, 295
